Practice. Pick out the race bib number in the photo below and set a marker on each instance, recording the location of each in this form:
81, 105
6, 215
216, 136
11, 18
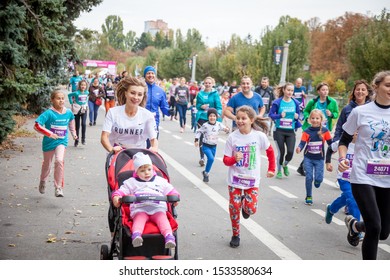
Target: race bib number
265, 100
378, 167
314, 147
244, 181
285, 123
110, 93
82, 98
59, 130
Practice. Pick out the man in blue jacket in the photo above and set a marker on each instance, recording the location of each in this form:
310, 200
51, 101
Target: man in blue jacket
157, 98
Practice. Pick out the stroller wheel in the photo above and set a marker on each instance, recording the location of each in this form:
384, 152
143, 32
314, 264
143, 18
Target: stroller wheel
104, 252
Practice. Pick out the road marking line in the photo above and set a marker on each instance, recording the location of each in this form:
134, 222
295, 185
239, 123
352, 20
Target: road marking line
384, 247
283, 192
177, 137
258, 231
189, 143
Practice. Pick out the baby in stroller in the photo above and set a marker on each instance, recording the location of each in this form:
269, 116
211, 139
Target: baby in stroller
150, 190
145, 182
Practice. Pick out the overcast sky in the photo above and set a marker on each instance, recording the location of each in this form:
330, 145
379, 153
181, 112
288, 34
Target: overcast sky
217, 20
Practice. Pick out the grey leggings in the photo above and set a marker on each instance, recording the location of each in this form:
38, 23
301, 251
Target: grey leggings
374, 205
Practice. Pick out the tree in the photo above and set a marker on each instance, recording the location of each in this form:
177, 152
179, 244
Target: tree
113, 31
368, 50
287, 29
143, 42
35, 44
328, 50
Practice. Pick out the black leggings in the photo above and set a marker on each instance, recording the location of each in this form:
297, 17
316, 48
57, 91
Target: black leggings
284, 137
374, 205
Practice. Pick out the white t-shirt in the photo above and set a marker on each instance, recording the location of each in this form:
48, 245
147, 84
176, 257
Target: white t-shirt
346, 175
210, 132
371, 163
158, 187
129, 132
246, 173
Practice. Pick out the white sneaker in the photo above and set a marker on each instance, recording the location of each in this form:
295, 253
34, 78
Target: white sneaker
42, 186
137, 241
58, 192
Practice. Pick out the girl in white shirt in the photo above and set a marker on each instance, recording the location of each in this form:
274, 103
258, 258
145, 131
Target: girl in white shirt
242, 155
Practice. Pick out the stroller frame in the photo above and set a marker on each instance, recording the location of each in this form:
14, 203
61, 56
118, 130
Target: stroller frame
120, 245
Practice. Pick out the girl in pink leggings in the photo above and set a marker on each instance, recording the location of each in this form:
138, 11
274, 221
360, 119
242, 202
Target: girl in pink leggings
147, 183
53, 124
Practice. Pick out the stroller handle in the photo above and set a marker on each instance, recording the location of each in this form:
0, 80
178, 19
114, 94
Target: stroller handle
131, 198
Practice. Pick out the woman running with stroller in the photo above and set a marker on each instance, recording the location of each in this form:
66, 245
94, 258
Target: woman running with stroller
130, 124
242, 155
147, 183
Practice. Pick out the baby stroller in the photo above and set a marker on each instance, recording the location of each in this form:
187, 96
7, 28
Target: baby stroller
119, 167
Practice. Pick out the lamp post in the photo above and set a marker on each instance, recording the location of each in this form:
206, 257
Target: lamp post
193, 68
284, 62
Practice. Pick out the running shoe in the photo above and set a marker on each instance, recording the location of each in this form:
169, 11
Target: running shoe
205, 176
329, 215
235, 241
58, 192
285, 171
309, 200
279, 175
42, 186
352, 236
201, 162
301, 171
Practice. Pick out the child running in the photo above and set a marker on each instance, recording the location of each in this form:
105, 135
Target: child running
346, 198
242, 155
80, 97
53, 124
313, 160
210, 131
146, 182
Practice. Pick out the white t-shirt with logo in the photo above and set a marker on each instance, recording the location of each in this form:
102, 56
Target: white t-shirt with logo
210, 132
371, 163
129, 132
246, 173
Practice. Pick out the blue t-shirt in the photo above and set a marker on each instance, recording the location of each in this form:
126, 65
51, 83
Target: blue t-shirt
239, 100
298, 93
57, 123
74, 81
322, 106
288, 121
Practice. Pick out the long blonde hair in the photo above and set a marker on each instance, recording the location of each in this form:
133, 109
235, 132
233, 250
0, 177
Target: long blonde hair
124, 85
259, 124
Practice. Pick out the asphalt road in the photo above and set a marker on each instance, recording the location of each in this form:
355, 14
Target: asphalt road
43, 227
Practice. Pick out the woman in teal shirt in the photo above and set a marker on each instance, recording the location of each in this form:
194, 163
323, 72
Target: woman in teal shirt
205, 99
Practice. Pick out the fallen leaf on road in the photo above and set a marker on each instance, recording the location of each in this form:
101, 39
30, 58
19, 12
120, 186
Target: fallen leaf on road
11, 245
69, 232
